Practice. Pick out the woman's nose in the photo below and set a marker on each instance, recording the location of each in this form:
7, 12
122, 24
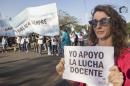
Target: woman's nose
98, 26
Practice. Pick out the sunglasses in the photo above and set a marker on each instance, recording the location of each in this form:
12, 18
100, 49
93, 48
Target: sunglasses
102, 22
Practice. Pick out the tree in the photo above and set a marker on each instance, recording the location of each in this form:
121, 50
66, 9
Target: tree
65, 19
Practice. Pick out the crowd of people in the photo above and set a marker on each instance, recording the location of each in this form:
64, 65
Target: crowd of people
53, 45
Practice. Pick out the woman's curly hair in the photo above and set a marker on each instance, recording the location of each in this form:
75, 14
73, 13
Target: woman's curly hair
118, 28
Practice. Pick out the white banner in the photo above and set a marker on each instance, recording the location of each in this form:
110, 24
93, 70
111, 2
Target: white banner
88, 64
5, 28
42, 20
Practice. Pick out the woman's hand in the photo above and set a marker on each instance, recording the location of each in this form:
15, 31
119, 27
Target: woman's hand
115, 77
60, 66
60, 70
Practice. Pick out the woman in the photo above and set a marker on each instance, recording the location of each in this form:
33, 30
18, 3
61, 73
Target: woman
108, 28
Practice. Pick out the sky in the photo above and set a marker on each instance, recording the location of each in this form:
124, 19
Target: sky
81, 9
115, 3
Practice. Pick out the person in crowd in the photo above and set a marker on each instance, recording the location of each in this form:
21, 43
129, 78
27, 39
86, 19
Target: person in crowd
72, 38
4, 44
65, 38
27, 44
18, 40
76, 39
81, 39
48, 42
23, 44
54, 45
34, 40
59, 53
108, 28
10, 41
44, 43
40, 43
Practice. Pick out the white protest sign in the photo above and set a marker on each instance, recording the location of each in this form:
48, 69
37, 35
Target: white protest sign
88, 64
41, 19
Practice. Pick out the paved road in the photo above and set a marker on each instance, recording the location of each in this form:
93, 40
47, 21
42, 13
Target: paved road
29, 69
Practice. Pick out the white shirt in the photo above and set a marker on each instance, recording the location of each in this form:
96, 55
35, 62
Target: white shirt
18, 40
27, 40
72, 37
53, 41
4, 41
40, 40
81, 38
22, 40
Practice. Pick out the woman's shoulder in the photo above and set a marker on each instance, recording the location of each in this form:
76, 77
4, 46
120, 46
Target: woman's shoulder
124, 55
124, 58
125, 51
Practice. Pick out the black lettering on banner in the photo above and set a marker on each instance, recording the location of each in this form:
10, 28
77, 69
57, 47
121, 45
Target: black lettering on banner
85, 53
95, 54
74, 53
26, 26
89, 63
70, 52
85, 71
76, 70
81, 71
91, 72
80, 54
100, 65
37, 22
95, 64
79, 63
9, 28
94, 67
22, 28
101, 55
90, 54
100, 73
84, 63
72, 61
71, 69
44, 21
